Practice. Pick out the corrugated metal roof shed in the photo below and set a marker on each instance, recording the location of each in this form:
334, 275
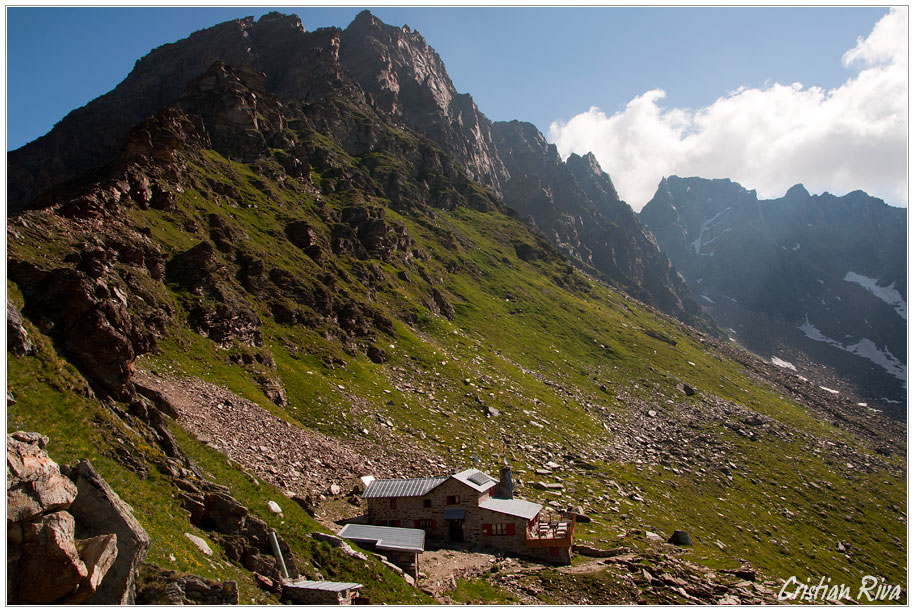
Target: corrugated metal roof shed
402, 487
475, 479
323, 585
386, 538
513, 507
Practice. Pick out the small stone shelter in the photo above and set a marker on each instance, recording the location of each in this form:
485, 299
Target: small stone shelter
470, 507
400, 545
320, 592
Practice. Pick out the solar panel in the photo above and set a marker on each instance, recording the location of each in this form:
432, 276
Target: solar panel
480, 478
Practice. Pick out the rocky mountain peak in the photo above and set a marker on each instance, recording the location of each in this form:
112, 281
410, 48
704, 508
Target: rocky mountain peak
398, 69
797, 191
276, 21
587, 169
401, 74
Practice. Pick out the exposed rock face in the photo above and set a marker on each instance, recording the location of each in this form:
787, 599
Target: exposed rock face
98, 511
576, 206
49, 568
92, 135
34, 483
17, 338
245, 537
241, 118
166, 587
225, 317
800, 277
99, 330
65, 543
404, 76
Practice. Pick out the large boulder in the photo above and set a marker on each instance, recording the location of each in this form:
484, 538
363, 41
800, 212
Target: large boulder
49, 568
66, 540
34, 484
98, 511
17, 338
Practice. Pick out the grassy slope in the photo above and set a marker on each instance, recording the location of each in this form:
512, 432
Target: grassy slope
535, 340
48, 398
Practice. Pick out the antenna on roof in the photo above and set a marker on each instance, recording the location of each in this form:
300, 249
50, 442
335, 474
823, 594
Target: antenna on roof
475, 460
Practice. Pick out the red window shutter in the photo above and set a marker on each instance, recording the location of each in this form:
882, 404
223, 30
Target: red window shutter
486, 529
510, 529
416, 523
434, 522
393, 503
379, 523
397, 523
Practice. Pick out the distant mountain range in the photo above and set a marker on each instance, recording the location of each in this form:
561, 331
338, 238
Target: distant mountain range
802, 278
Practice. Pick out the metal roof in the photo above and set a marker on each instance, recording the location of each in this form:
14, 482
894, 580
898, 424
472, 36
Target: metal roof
323, 585
454, 513
386, 538
513, 507
402, 487
475, 479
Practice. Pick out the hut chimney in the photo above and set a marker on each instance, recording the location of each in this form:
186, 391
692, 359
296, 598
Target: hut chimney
505, 487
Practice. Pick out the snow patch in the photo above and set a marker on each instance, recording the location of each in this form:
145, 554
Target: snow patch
868, 349
889, 294
865, 348
697, 244
707, 298
827, 389
783, 364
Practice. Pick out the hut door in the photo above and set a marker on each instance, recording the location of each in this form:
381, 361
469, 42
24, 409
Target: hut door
455, 530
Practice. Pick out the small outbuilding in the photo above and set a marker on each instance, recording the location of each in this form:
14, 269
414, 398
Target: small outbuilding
400, 545
320, 592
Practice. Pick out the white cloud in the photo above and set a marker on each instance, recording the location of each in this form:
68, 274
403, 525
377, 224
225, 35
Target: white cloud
770, 138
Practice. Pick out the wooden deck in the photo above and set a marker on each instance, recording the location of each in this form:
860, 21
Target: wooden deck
551, 533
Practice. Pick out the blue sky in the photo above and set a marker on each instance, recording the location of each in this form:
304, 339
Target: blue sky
538, 64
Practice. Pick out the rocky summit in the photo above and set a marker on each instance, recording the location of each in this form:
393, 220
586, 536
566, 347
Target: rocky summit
273, 262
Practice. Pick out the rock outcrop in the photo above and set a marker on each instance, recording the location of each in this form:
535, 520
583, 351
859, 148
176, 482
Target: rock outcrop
99, 510
245, 537
70, 539
17, 338
169, 588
